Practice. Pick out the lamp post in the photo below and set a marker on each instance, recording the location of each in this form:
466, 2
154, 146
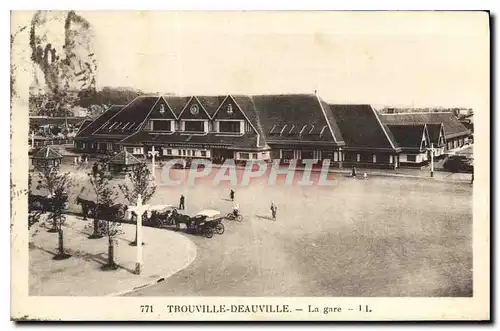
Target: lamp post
139, 210
153, 153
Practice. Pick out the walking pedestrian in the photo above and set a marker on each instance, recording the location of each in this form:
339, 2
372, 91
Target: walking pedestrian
181, 203
274, 209
231, 195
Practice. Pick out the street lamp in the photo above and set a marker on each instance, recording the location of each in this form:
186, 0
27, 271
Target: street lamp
153, 154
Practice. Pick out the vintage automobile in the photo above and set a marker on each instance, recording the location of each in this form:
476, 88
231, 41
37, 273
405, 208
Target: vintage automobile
459, 163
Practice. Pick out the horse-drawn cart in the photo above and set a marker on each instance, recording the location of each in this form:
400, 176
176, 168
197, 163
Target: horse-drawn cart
206, 222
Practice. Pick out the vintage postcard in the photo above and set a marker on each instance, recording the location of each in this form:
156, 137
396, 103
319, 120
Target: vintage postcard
250, 166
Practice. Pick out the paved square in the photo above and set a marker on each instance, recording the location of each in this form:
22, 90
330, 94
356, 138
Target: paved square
374, 237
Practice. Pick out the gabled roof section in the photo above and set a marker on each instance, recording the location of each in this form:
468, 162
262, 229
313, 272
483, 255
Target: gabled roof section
124, 158
130, 118
176, 103
408, 136
201, 112
435, 131
302, 112
87, 131
230, 110
452, 126
47, 153
162, 110
361, 127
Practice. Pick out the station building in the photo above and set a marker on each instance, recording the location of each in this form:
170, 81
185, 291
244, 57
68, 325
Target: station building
263, 127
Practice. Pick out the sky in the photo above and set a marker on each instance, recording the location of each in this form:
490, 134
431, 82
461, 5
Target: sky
403, 59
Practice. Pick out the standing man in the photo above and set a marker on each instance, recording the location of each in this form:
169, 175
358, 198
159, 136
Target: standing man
353, 171
181, 203
231, 195
274, 209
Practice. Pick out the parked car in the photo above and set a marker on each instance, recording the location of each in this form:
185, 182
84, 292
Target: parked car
459, 163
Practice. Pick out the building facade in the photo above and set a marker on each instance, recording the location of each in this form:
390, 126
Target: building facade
288, 127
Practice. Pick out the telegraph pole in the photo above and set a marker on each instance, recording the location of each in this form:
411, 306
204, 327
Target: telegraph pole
432, 158
153, 154
139, 210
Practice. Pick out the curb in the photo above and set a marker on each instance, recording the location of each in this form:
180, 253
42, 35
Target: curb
148, 284
158, 280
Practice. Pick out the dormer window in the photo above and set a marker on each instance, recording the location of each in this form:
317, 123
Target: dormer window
302, 130
162, 109
230, 109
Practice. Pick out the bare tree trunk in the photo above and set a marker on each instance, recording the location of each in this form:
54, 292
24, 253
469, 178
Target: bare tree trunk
61, 254
96, 234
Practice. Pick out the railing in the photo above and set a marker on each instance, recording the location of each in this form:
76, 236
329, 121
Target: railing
49, 142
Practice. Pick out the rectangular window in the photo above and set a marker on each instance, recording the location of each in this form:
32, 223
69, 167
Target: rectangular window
203, 153
162, 125
137, 150
194, 126
411, 158
255, 156
169, 151
193, 152
130, 149
244, 156
229, 126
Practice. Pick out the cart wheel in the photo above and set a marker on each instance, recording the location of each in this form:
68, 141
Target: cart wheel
239, 218
209, 233
219, 228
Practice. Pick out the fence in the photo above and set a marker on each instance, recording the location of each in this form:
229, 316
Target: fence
49, 142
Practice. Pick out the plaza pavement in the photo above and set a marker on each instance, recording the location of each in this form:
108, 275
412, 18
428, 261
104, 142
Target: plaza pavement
164, 253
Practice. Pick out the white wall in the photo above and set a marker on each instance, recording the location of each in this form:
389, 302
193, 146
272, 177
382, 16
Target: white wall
421, 157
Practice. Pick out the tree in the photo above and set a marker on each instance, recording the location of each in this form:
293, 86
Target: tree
51, 180
57, 185
140, 181
106, 195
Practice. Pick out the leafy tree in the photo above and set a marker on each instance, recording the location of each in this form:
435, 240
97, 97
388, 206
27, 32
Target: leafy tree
139, 181
58, 185
106, 195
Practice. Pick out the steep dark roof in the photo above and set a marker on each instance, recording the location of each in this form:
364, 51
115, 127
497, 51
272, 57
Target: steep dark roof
176, 103
124, 158
408, 136
452, 126
293, 118
211, 103
361, 127
434, 130
247, 106
99, 121
130, 118
84, 124
47, 153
